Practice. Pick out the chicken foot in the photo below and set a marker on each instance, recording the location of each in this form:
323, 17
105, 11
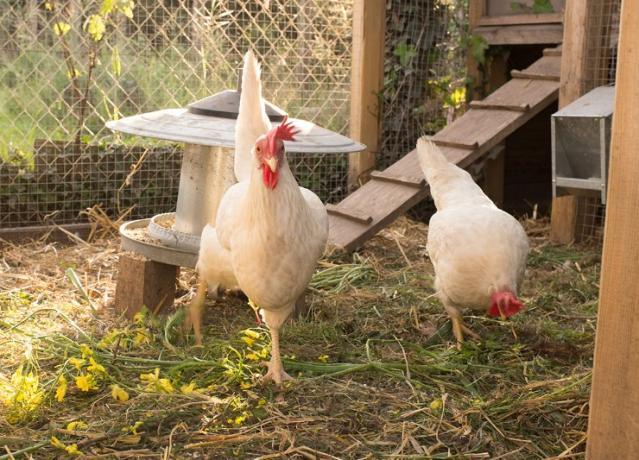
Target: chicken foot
459, 328
276, 371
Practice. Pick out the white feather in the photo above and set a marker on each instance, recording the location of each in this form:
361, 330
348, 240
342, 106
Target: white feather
476, 248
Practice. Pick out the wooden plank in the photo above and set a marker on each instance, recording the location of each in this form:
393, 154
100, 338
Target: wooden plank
552, 51
547, 65
574, 49
614, 401
523, 93
476, 127
563, 217
349, 213
400, 180
488, 106
367, 80
385, 200
493, 183
535, 34
533, 76
521, 19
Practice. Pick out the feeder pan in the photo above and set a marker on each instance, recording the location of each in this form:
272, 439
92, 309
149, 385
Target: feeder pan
207, 128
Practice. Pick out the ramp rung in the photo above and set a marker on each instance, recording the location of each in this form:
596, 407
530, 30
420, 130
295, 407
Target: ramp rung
401, 180
350, 214
455, 144
552, 52
533, 76
488, 106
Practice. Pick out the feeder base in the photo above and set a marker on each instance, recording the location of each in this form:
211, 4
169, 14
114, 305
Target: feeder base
144, 282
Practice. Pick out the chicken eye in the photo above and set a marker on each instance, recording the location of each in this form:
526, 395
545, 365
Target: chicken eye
258, 149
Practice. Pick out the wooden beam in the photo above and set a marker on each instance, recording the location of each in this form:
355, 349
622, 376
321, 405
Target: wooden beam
563, 220
493, 183
367, 80
521, 19
526, 34
614, 401
476, 10
574, 50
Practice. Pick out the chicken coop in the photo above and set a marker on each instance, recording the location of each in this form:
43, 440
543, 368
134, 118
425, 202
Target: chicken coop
112, 146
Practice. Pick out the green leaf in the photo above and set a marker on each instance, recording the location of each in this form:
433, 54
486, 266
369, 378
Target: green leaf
116, 64
542, 6
405, 53
61, 28
73, 277
478, 47
95, 26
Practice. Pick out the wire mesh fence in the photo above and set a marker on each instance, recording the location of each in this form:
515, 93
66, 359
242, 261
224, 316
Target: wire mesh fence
424, 72
601, 66
68, 66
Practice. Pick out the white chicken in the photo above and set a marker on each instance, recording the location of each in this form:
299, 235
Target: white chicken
478, 251
268, 230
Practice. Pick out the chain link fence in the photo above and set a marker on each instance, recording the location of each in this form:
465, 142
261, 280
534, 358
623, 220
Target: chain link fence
68, 66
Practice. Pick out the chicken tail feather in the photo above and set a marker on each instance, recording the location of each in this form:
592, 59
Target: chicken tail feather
252, 120
430, 157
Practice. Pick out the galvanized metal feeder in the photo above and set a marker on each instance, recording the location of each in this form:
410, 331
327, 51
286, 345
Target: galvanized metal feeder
581, 144
207, 128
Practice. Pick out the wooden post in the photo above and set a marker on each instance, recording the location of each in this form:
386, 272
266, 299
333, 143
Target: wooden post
367, 80
144, 282
493, 183
575, 73
476, 9
613, 430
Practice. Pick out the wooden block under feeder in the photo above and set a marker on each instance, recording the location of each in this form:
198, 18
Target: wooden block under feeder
144, 282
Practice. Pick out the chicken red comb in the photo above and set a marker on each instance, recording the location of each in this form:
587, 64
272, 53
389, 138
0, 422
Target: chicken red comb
285, 132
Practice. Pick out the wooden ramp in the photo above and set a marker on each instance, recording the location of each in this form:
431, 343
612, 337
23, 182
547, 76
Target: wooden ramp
486, 124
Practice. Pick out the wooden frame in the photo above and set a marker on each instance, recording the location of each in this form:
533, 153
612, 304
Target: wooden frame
614, 401
574, 75
366, 85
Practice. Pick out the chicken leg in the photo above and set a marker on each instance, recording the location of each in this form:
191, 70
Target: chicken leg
194, 318
274, 321
459, 328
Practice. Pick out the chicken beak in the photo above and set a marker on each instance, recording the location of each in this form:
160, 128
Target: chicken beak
272, 163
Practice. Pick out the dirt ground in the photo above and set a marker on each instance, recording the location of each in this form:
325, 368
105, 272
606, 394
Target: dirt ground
377, 372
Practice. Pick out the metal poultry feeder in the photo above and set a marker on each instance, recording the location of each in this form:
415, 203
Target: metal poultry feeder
581, 144
207, 129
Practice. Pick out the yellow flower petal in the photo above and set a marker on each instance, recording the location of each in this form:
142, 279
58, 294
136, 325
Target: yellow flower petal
251, 333
323, 358
77, 362
252, 357
77, 425
95, 367
188, 389
61, 390
248, 340
85, 382
118, 393
86, 351
55, 442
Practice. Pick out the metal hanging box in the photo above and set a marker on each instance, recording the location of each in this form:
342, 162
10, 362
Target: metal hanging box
581, 144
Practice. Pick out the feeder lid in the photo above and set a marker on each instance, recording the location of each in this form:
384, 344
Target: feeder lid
226, 104
211, 121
